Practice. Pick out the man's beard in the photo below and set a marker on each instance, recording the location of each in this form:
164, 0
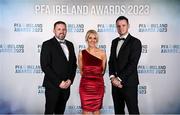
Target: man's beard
61, 37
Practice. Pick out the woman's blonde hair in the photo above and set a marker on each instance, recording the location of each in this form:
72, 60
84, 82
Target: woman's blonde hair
92, 32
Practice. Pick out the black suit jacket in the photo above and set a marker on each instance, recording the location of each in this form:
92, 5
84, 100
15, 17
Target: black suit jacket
125, 65
54, 63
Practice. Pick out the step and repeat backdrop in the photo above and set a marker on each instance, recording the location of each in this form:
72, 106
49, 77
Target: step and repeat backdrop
25, 24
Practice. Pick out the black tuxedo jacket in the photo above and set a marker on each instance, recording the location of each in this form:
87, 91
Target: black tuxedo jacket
54, 63
125, 65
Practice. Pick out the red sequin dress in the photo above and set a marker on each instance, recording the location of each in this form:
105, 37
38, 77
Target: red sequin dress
92, 84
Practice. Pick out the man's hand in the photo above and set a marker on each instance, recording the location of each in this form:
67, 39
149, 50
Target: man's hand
65, 84
68, 83
62, 85
116, 82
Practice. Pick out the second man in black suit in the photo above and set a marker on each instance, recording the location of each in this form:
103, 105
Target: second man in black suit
58, 62
123, 61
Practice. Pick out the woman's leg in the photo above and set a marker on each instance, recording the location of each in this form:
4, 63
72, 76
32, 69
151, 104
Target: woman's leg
86, 112
96, 112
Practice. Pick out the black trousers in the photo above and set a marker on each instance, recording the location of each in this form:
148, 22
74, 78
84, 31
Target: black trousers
56, 100
125, 95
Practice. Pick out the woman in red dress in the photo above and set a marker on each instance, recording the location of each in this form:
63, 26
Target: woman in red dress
92, 64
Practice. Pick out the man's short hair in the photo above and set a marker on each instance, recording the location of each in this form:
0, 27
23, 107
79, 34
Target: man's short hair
59, 22
122, 18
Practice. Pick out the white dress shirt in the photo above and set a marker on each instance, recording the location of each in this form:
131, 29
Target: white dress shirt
64, 47
120, 43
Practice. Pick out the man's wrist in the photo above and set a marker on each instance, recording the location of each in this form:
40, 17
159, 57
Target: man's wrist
119, 79
111, 77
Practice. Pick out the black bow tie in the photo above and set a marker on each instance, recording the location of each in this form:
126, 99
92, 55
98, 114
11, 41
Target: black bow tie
62, 42
121, 39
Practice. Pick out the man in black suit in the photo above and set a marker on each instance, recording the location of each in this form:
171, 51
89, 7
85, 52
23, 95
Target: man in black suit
58, 62
123, 61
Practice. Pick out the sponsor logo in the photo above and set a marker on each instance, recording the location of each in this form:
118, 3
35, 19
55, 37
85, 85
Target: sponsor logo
170, 48
32, 69
29, 27
75, 27
152, 69
106, 28
142, 89
12, 48
153, 27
